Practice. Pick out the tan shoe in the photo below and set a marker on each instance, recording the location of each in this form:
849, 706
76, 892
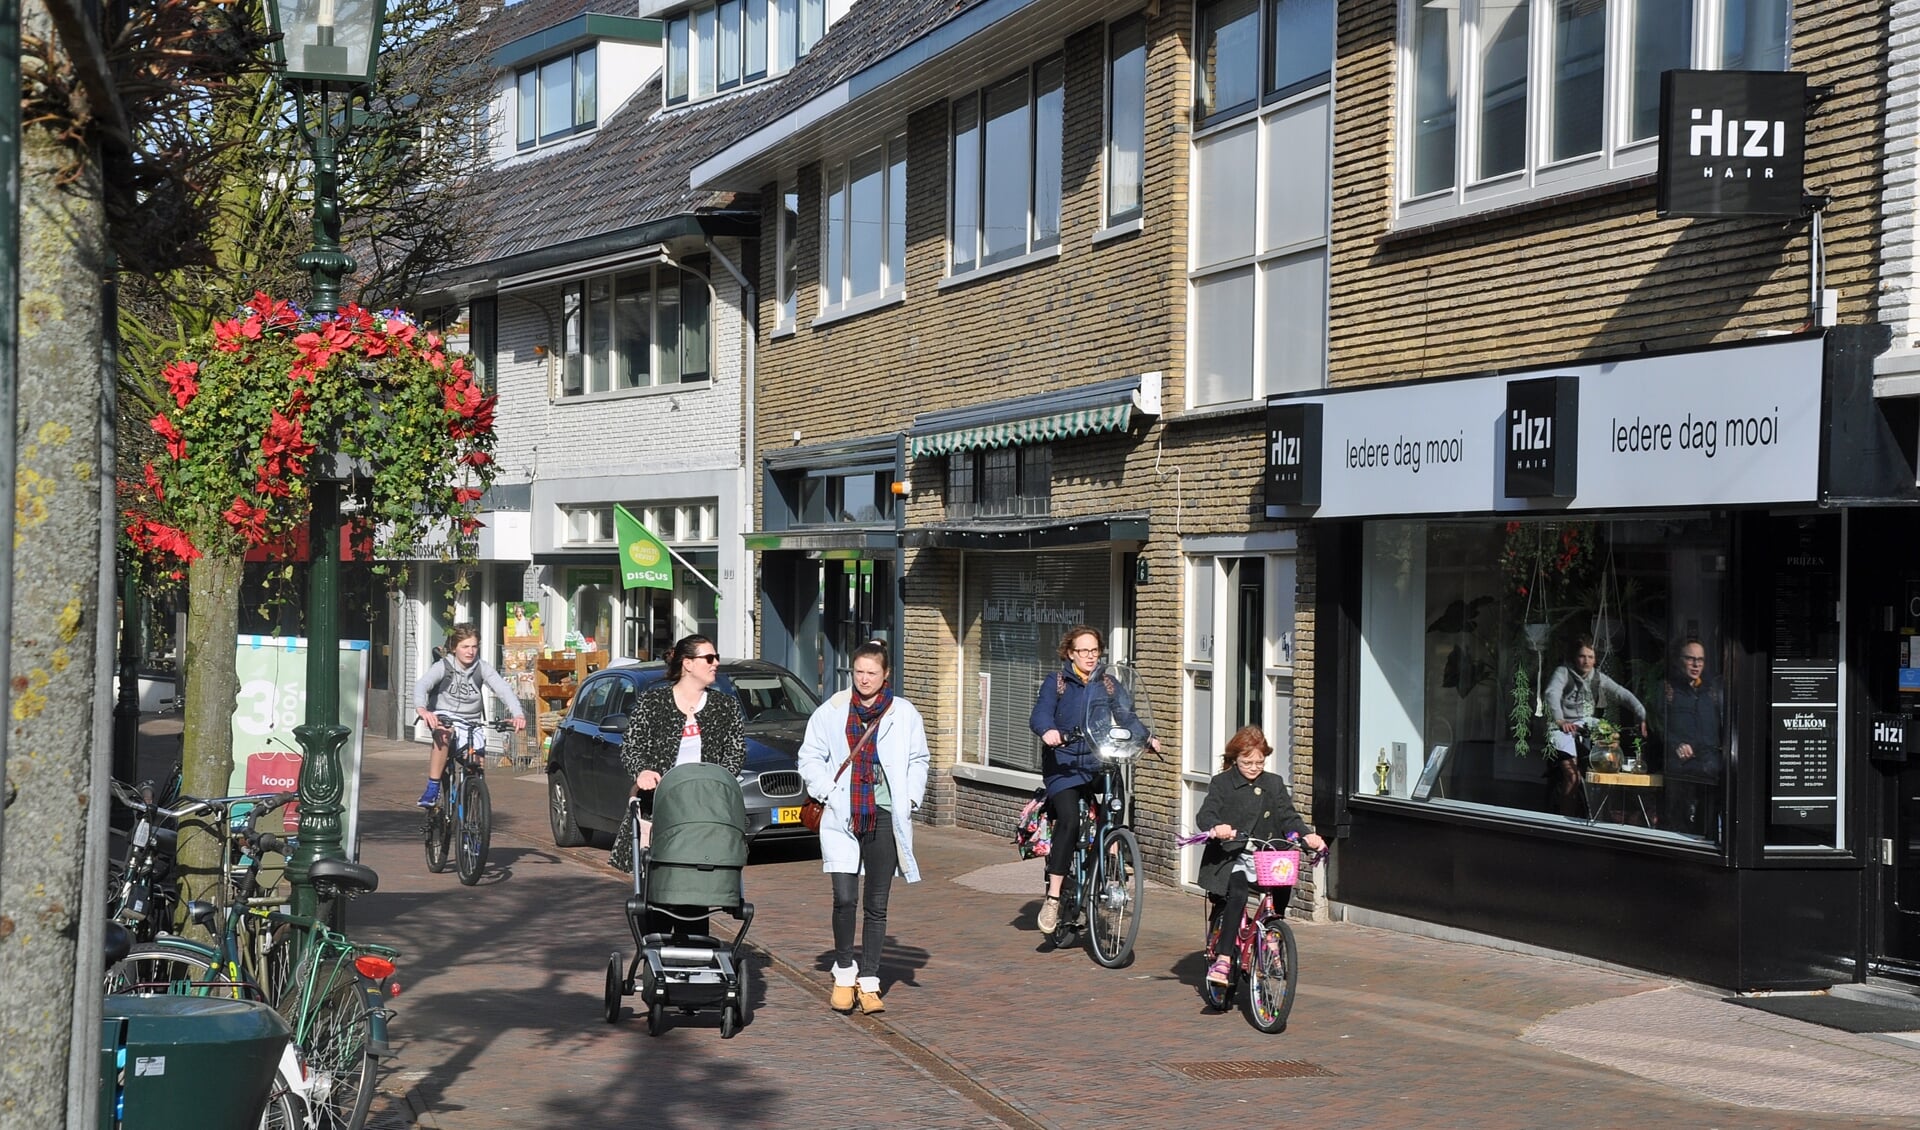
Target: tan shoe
871, 1002
842, 999
1050, 914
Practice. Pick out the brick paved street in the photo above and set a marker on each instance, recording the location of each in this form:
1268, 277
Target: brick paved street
499, 1025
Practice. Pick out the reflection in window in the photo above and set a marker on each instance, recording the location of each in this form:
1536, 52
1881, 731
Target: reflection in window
1229, 55
1503, 87
1579, 77
1662, 41
1126, 118
1474, 634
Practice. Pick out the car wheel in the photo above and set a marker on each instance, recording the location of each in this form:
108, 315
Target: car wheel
560, 813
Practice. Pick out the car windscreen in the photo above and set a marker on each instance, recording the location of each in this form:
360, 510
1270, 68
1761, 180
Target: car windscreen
772, 697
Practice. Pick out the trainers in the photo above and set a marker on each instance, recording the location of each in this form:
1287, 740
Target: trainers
1221, 971
431, 796
842, 999
1050, 914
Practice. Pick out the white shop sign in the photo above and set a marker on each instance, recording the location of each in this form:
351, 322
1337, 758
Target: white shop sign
1724, 427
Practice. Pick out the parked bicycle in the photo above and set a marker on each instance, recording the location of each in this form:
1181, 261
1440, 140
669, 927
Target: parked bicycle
1105, 889
1265, 959
330, 989
461, 819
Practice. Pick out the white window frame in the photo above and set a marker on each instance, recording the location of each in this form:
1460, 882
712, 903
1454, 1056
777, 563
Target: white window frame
836, 297
786, 293
783, 42
1034, 242
579, 338
1130, 216
1620, 158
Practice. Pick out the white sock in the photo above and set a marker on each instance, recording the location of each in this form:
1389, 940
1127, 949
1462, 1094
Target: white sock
870, 985
845, 975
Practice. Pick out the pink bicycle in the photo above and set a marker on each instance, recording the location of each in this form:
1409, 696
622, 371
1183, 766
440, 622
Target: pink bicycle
1264, 957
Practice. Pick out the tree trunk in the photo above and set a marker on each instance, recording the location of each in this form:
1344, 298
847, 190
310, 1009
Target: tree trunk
53, 877
206, 749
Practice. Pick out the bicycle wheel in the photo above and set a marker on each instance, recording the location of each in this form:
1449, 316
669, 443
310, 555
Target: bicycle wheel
283, 1106
1273, 977
1113, 910
1219, 998
157, 969
440, 831
476, 829
334, 1037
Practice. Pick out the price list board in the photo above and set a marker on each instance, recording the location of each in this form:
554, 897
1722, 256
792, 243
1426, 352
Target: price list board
1804, 776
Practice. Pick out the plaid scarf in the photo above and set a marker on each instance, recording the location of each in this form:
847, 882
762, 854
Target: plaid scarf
861, 808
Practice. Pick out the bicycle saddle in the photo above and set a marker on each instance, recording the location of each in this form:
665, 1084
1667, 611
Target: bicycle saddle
357, 878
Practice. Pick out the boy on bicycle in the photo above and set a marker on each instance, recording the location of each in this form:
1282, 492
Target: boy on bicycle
1244, 802
449, 695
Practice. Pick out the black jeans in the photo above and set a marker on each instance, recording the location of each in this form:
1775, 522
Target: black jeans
1069, 807
880, 856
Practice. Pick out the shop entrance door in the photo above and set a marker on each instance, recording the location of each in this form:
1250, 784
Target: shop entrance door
1893, 784
857, 606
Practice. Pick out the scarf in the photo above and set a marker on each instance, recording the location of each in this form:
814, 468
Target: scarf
862, 810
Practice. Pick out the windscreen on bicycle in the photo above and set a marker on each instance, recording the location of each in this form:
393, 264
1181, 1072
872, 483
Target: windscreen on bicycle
1119, 722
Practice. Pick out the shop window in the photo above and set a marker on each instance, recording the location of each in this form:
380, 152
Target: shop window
1538, 669
1016, 607
1000, 482
556, 99
636, 329
1560, 95
1006, 168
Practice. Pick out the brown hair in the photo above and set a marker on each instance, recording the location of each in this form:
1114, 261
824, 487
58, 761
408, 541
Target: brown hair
1244, 739
872, 649
1074, 633
684, 648
461, 633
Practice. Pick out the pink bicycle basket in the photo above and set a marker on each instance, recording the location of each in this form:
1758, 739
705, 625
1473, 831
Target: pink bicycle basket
1276, 868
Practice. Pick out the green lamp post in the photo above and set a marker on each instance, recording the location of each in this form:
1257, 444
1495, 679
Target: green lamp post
327, 51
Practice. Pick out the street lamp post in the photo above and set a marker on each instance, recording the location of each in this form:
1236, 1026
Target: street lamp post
324, 47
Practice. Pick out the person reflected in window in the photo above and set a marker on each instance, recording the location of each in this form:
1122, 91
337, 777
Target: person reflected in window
1690, 738
1576, 695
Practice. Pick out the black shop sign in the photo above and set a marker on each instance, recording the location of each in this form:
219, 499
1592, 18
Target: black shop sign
1732, 143
1293, 454
1540, 435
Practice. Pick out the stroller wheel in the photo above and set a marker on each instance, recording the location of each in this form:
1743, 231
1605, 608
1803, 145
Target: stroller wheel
615, 975
656, 1018
729, 1021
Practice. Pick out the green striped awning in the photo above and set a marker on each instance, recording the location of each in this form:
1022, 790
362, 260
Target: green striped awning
1012, 433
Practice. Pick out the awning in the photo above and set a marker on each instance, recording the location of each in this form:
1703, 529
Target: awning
1093, 529
850, 542
1107, 406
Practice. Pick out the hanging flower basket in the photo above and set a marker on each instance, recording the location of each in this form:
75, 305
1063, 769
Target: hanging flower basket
271, 400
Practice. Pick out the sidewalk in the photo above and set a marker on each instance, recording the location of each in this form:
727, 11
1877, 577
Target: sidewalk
499, 1023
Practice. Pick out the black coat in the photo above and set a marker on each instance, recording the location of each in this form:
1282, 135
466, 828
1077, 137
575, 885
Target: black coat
1261, 808
1690, 715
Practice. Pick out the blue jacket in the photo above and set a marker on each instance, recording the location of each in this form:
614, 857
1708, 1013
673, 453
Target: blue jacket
1062, 705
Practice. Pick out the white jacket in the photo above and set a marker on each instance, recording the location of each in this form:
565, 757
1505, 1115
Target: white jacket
902, 743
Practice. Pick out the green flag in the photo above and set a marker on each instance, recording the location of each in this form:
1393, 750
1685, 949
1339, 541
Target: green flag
644, 561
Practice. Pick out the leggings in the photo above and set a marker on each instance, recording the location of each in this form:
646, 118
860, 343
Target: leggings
1242, 899
879, 857
1069, 807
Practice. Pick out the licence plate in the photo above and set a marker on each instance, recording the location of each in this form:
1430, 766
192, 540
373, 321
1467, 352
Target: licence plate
787, 815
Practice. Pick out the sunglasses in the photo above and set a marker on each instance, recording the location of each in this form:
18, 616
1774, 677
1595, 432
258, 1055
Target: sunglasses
710, 658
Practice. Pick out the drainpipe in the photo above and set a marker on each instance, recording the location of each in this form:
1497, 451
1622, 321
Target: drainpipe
750, 313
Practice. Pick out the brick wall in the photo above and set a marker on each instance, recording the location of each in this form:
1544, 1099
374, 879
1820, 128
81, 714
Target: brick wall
1600, 274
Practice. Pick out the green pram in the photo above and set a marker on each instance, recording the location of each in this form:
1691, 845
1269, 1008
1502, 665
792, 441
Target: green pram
692, 870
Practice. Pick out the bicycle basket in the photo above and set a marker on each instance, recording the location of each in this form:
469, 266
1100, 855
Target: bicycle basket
1034, 833
1276, 868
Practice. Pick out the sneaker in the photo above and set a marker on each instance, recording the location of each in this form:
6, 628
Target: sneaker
1221, 971
1050, 914
432, 796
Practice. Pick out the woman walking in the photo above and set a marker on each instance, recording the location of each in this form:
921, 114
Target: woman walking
679, 721
865, 758
1070, 766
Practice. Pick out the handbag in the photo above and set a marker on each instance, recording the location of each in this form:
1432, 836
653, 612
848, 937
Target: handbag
1033, 835
812, 810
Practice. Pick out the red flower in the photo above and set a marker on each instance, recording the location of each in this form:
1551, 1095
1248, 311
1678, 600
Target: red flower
355, 316
152, 536
249, 520
464, 495
227, 335
153, 481
272, 311
401, 330
163, 427
179, 377
476, 458
268, 483
469, 525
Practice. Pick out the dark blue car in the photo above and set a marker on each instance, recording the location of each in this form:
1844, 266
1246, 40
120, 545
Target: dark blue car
587, 787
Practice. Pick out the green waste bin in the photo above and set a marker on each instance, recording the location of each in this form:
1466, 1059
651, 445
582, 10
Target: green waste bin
195, 1063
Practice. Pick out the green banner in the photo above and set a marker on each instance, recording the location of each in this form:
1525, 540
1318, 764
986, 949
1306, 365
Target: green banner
644, 561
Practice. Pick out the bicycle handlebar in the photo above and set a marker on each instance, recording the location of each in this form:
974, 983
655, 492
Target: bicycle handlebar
141, 797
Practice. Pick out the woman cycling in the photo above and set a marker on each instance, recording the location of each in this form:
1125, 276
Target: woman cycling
1244, 802
1069, 766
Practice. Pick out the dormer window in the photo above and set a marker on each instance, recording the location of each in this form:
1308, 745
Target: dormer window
714, 48
556, 99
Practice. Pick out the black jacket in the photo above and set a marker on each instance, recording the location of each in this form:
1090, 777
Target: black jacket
1261, 808
1689, 715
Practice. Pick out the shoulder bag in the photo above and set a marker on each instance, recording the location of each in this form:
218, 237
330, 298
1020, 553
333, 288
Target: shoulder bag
812, 810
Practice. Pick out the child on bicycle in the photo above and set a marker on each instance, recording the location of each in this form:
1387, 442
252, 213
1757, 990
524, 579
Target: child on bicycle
449, 693
1244, 802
